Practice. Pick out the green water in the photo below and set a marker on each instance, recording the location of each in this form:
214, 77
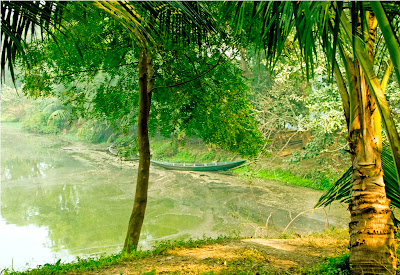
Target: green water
62, 199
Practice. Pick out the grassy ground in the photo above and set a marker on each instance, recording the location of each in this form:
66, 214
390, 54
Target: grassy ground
315, 254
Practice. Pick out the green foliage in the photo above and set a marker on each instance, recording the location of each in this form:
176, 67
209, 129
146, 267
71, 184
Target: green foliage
184, 155
92, 69
319, 180
49, 116
46, 116
172, 151
94, 131
163, 150
280, 96
393, 96
331, 266
13, 104
104, 86
213, 107
286, 101
37, 122
208, 157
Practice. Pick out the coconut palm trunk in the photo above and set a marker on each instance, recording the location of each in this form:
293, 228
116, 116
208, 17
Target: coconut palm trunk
372, 244
146, 81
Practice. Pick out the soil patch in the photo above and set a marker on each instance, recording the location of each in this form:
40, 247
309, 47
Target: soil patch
250, 256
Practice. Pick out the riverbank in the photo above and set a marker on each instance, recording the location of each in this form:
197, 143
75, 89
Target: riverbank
283, 165
83, 197
324, 253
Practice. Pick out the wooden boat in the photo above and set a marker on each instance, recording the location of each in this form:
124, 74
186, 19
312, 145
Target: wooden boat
212, 166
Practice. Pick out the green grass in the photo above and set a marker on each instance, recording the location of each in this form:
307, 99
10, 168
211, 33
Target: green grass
96, 263
331, 266
338, 265
279, 175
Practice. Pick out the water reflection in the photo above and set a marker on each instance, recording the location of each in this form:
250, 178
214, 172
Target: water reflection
78, 202
76, 215
17, 168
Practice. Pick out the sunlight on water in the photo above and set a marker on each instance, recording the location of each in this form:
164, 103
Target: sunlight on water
20, 246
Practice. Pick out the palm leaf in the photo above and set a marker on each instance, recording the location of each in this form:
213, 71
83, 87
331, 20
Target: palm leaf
58, 115
377, 92
165, 21
53, 106
17, 18
341, 190
389, 35
271, 24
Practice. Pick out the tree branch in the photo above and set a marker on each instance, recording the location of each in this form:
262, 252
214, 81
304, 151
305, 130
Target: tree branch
95, 70
190, 80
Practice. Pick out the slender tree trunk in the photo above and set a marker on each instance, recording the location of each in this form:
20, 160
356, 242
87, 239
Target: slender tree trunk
146, 81
372, 244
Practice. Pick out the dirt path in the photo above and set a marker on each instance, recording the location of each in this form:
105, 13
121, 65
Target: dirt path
248, 255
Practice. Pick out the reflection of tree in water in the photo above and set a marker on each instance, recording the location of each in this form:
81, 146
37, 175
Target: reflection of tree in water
14, 167
72, 203
76, 216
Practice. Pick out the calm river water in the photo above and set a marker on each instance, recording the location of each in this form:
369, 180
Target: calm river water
63, 199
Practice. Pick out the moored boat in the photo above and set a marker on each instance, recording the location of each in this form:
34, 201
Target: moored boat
211, 166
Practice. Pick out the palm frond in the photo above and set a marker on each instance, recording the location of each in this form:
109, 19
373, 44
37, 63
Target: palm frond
18, 20
166, 21
392, 41
60, 114
52, 107
341, 190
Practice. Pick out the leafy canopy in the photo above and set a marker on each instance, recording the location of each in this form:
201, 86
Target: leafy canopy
102, 82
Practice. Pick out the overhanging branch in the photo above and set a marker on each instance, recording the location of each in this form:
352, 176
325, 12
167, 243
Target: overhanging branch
96, 70
190, 80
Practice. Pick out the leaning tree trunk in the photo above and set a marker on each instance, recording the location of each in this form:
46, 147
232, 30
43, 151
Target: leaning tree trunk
372, 244
146, 81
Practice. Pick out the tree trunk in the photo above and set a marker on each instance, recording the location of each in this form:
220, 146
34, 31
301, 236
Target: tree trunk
372, 244
146, 81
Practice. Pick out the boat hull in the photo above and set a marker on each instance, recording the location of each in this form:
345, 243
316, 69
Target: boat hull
212, 166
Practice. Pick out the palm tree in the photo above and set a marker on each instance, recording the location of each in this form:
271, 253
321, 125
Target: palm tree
349, 44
